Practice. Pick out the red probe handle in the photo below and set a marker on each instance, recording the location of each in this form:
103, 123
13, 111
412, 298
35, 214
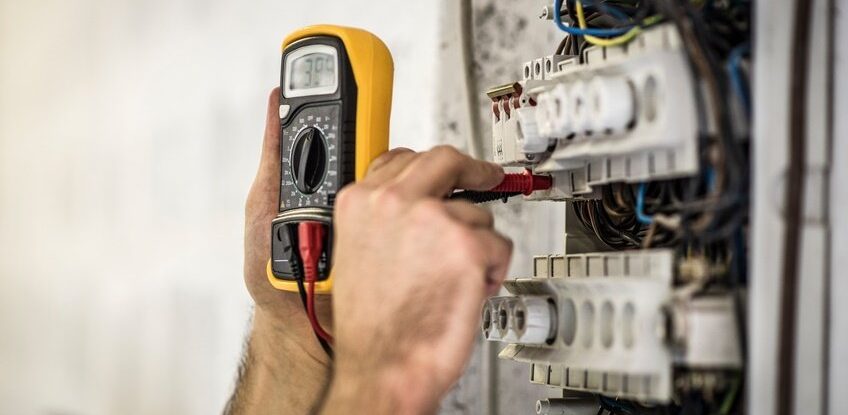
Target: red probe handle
524, 183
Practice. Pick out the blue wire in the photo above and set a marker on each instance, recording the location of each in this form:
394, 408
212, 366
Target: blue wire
734, 70
576, 31
640, 206
710, 174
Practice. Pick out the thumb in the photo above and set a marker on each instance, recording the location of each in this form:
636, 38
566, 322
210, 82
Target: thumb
265, 189
269, 162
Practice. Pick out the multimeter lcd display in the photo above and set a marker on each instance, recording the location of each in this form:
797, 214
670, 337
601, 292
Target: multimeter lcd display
311, 70
314, 70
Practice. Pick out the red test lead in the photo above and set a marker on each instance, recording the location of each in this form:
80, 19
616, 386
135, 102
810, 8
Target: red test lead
524, 183
310, 236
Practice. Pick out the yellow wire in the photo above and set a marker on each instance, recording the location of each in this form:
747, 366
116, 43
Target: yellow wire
599, 41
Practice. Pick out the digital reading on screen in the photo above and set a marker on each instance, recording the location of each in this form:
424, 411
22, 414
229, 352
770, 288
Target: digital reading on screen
313, 70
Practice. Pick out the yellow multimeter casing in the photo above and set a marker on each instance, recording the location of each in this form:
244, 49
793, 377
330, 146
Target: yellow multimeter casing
335, 103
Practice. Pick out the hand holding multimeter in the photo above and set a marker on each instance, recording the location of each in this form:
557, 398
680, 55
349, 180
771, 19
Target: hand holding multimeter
410, 269
335, 98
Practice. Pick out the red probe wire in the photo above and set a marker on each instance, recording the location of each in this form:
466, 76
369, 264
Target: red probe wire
310, 236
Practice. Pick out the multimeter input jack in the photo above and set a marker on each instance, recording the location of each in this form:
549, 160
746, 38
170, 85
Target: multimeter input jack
286, 261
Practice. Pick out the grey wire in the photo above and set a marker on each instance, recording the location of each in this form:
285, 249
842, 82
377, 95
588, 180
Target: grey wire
474, 141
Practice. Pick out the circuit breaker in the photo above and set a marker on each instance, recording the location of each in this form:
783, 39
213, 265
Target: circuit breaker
641, 120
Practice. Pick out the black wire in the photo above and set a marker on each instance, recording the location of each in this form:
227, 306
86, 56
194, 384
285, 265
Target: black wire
734, 165
324, 345
793, 209
481, 197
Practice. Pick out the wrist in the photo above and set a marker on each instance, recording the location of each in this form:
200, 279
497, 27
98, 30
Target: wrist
390, 391
275, 339
278, 374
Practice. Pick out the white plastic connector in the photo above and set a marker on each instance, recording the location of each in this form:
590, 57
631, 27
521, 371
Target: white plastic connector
561, 110
611, 104
551, 65
545, 115
558, 406
539, 68
555, 118
542, 68
504, 321
527, 72
532, 142
490, 311
534, 319
530, 320
580, 111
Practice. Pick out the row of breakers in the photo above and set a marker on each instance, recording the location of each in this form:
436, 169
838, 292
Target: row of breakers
614, 114
612, 323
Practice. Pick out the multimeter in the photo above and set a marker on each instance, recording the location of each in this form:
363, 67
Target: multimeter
335, 99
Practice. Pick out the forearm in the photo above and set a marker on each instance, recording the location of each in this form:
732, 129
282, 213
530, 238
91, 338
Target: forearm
280, 373
377, 394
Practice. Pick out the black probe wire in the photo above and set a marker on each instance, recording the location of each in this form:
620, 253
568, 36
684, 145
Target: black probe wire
301, 290
476, 197
793, 209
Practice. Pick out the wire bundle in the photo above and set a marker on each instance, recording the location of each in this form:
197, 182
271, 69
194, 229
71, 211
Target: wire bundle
602, 23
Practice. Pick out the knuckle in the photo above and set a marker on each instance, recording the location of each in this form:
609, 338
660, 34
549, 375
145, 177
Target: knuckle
448, 153
386, 198
386, 157
349, 197
428, 211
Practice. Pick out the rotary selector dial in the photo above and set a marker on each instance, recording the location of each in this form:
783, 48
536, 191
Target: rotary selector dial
309, 160
312, 168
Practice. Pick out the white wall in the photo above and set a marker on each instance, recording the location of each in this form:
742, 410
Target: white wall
129, 133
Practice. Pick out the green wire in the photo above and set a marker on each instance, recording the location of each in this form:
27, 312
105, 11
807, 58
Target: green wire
730, 397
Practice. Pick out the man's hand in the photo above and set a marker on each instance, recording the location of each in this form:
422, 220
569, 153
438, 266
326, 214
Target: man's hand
285, 369
411, 273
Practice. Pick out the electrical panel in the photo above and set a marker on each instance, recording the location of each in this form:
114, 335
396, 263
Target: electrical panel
641, 120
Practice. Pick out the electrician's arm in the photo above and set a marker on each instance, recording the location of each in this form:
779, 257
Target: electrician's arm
284, 369
411, 273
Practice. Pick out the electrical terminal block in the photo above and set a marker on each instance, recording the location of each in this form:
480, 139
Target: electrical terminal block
529, 320
616, 117
694, 324
543, 68
611, 311
612, 323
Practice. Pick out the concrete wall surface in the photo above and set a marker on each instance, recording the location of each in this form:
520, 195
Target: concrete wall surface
129, 134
